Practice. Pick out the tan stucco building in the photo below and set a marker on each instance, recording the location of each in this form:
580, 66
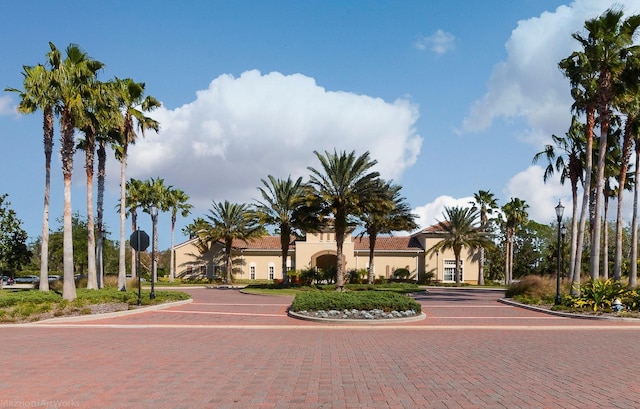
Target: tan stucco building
260, 259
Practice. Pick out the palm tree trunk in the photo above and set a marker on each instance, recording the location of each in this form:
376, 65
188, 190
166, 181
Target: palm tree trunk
633, 273
44, 245
67, 151
602, 154
372, 269
585, 193
575, 278
122, 268
92, 279
622, 179
102, 159
481, 267
339, 261
134, 227
172, 270
605, 241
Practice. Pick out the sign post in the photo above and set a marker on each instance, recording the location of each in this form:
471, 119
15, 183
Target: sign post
139, 240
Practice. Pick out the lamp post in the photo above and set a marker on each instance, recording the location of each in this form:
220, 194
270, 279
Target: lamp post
154, 218
563, 233
559, 212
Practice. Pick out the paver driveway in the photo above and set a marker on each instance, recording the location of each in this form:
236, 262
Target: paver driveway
232, 350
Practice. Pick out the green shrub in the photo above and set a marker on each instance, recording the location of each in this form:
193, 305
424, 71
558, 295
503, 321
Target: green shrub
599, 294
360, 300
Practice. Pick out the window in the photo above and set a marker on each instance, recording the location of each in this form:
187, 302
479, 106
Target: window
449, 270
252, 271
272, 271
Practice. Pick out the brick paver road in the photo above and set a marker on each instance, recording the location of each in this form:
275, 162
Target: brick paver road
232, 350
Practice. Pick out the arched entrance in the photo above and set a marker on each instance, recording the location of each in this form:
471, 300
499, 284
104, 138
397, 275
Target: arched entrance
325, 261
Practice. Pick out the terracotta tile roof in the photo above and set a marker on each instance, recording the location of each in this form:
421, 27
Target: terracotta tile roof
263, 243
432, 229
406, 243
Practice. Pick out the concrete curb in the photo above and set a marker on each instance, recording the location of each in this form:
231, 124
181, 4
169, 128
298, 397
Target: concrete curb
386, 321
563, 314
93, 317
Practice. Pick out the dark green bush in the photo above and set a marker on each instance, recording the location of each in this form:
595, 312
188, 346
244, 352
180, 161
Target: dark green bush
360, 300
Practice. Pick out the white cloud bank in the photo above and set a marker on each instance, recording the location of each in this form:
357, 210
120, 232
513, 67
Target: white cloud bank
243, 129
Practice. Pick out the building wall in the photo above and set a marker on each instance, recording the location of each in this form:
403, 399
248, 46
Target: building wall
188, 258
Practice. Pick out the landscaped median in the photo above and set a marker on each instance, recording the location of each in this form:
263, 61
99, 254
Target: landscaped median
350, 306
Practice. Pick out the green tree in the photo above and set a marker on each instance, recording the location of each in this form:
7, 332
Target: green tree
342, 187
515, 214
133, 199
461, 230
569, 161
177, 202
40, 94
132, 104
14, 252
281, 201
73, 76
227, 222
605, 48
154, 193
486, 202
386, 211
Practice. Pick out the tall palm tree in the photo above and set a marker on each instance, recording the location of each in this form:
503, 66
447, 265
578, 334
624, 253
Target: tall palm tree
342, 187
74, 76
569, 161
486, 202
227, 222
461, 230
516, 215
583, 79
281, 200
177, 201
40, 94
132, 105
386, 211
633, 273
606, 46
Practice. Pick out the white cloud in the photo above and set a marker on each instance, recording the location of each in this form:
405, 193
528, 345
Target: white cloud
529, 84
432, 213
541, 197
439, 42
6, 105
243, 129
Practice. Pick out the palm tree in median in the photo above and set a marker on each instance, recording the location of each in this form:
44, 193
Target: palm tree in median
177, 201
342, 188
133, 199
386, 211
40, 93
461, 230
227, 222
132, 105
486, 202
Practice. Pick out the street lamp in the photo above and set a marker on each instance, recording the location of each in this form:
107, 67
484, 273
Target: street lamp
154, 219
559, 212
563, 233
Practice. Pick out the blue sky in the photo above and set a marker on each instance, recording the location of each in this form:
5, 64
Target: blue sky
450, 97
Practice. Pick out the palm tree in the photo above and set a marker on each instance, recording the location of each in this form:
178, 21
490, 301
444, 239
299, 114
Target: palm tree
74, 76
569, 162
281, 201
154, 193
486, 202
515, 213
40, 93
176, 202
132, 104
342, 188
386, 211
606, 47
461, 230
133, 199
227, 222
633, 273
